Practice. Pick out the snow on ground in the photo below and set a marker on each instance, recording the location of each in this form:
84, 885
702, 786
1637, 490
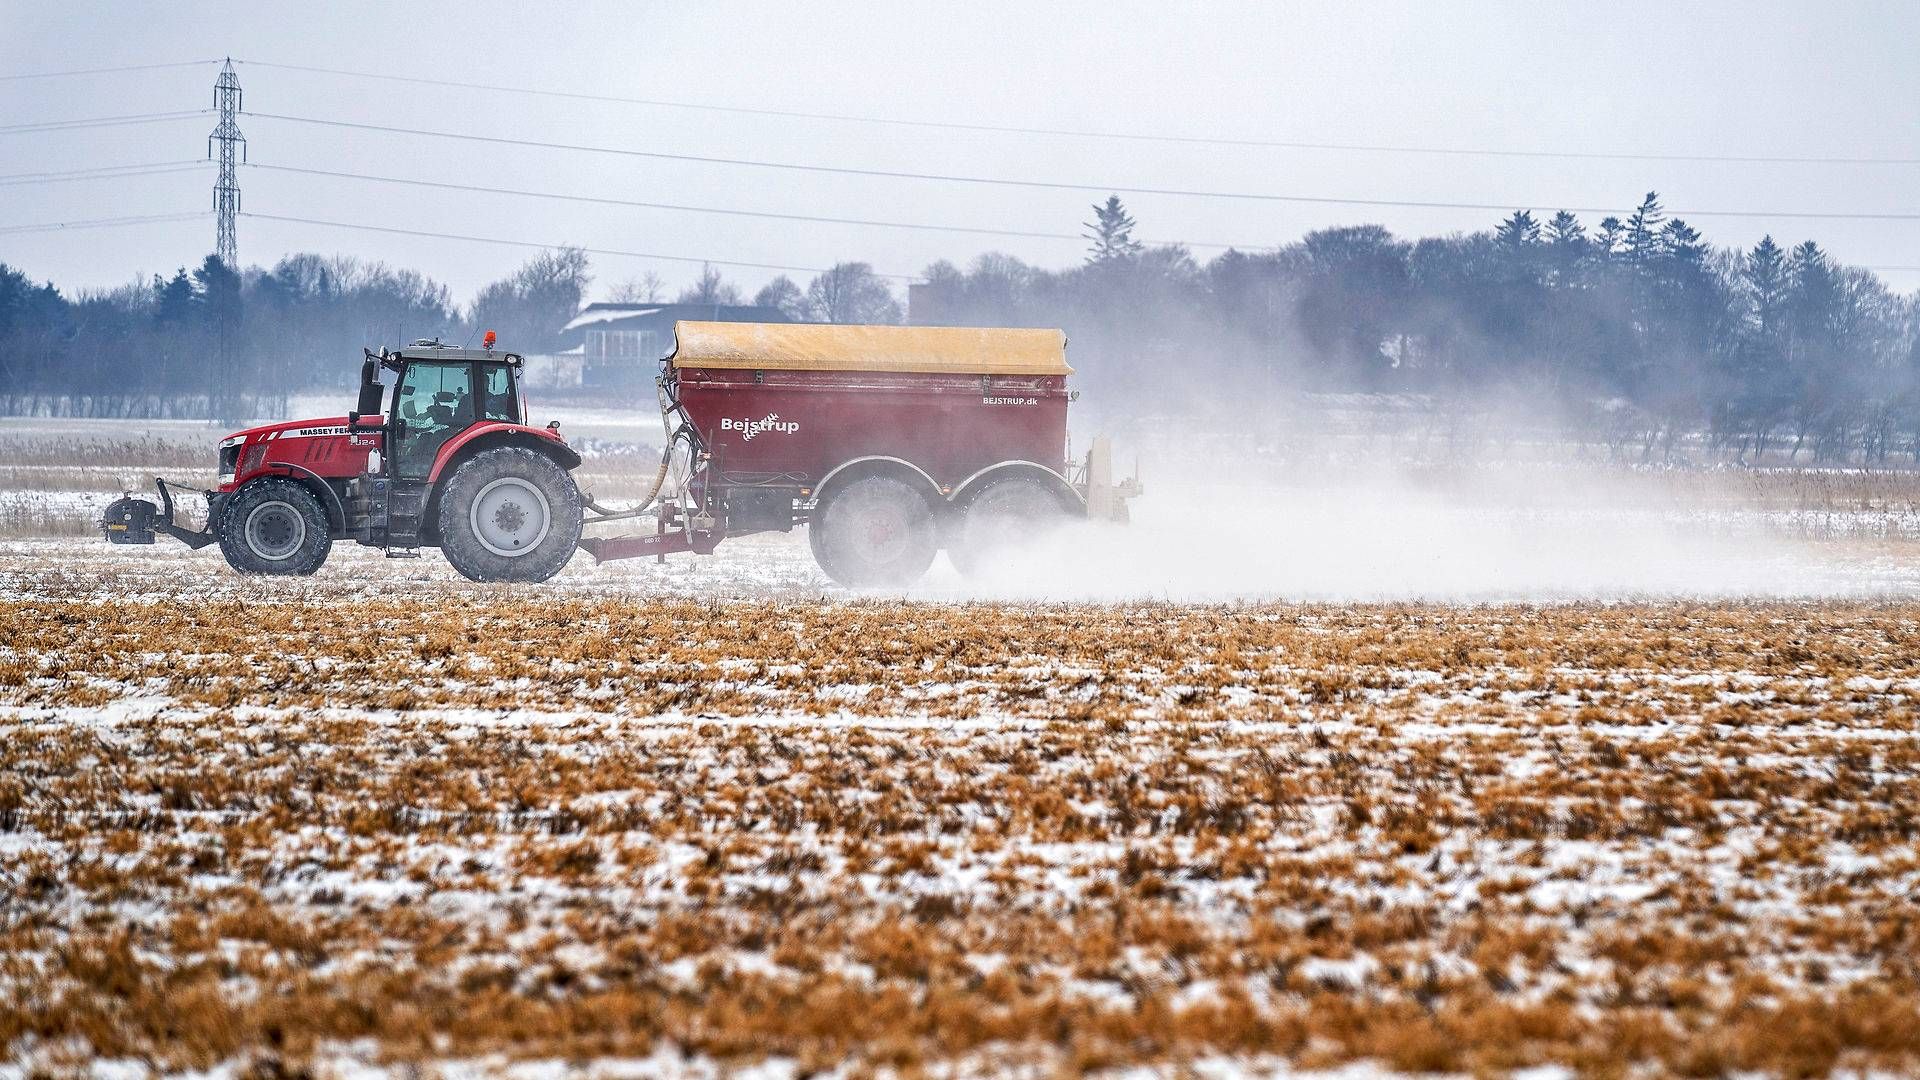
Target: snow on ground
715, 814
1331, 772
1308, 548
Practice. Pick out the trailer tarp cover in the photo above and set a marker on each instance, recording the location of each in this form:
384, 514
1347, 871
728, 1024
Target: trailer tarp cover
962, 350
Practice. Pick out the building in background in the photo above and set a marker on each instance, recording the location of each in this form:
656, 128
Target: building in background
619, 346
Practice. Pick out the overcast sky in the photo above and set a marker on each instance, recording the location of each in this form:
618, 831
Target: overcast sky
1832, 79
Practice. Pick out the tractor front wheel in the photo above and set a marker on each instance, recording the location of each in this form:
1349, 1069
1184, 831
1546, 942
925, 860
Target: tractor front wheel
875, 531
509, 514
274, 526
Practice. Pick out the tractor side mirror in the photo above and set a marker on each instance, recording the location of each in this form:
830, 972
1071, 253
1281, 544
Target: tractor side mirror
370, 388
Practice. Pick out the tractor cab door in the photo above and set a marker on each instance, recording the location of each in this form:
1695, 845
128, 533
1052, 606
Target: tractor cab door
433, 403
499, 397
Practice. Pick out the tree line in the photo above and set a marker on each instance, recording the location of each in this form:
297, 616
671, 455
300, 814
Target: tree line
210, 343
1636, 330
215, 342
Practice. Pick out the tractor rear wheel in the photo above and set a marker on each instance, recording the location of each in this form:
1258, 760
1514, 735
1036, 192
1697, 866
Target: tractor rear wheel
1003, 517
509, 514
274, 526
874, 531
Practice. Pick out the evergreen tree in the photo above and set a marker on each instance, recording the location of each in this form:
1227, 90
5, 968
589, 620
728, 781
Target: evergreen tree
1642, 238
1611, 235
1565, 230
1765, 277
1762, 382
1112, 234
1518, 232
1567, 248
216, 294
24, 305
1813, 348
173, 299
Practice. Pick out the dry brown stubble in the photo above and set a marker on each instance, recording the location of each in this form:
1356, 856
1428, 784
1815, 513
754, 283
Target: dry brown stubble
470, 821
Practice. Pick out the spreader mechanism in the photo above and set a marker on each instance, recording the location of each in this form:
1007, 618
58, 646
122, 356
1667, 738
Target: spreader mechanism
133, 520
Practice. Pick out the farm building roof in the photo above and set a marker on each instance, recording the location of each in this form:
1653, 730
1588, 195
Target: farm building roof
963, 350
606, 314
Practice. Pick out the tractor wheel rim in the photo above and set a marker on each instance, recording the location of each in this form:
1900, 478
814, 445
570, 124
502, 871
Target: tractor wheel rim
510, 517
276, 531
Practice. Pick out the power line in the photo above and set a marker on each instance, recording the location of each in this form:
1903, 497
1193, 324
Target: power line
104, 70
532, 244
100, 223
102, 172
106, 170
945, 125
742, 213
1057, 185
601, 201
100, 121
148, 219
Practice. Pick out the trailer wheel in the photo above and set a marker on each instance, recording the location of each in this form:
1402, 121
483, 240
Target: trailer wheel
509, 514
274, 526
875, 531
1002, 517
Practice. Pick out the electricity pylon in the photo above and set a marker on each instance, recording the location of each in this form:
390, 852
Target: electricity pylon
226, 190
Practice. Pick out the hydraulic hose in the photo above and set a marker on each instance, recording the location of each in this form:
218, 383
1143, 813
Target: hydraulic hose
659, 481
668, 406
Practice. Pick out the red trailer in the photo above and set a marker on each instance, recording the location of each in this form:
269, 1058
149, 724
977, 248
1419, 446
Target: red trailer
887, 442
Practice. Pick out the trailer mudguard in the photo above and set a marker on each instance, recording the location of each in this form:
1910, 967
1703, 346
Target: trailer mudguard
861, 466
1053, 480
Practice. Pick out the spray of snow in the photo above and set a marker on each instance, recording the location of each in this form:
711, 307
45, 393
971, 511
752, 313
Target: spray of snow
1379, 540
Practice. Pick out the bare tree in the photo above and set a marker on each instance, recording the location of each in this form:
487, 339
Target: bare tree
709, 288
530, 307
782, 293
648, 288
852, 293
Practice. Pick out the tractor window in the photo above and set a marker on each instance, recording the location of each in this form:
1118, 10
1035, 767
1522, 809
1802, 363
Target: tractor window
433, 404
499, 401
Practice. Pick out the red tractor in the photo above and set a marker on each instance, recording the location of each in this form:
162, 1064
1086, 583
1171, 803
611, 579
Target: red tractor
889, 443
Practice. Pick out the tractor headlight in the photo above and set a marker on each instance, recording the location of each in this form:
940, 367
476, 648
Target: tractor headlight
229, 457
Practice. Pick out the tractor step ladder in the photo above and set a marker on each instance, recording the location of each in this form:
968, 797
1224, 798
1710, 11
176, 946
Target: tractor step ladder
406, 511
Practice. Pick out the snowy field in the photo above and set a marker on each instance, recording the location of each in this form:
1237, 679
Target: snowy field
1325, 769
715, 815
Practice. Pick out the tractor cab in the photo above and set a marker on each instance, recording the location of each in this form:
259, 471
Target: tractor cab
440, 392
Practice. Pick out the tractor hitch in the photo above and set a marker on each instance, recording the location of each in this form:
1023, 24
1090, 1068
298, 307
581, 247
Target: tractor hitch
133, 520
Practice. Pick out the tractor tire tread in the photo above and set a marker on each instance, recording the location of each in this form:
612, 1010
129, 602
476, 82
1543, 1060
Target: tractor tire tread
464, 550
230, 524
